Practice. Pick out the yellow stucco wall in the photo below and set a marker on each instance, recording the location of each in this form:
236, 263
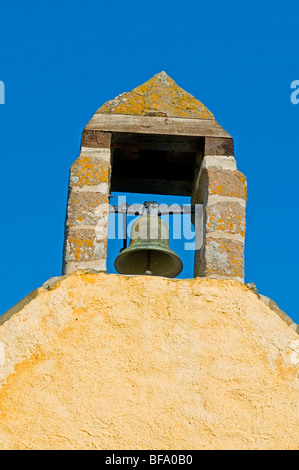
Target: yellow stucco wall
113, 362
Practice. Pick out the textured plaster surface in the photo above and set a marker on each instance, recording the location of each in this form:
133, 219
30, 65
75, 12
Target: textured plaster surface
98, 361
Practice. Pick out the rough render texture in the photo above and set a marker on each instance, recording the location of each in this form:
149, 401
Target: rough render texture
97, 361
158, 96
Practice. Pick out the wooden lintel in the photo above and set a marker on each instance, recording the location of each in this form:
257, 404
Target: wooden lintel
151, 186
156, 125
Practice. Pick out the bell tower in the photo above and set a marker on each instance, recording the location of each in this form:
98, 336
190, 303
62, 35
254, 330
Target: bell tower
157, 139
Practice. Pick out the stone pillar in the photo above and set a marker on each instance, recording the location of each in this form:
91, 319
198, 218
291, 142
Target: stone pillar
222, 190
85, 244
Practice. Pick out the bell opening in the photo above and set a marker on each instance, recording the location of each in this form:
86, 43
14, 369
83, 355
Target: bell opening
171, 256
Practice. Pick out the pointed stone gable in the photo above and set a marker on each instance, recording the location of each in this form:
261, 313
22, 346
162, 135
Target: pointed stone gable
159, 96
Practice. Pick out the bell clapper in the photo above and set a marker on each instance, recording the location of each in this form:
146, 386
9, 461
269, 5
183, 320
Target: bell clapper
147, 271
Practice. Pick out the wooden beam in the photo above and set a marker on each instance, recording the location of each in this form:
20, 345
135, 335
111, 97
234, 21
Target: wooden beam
156, 125
151, 186
96, 139
159, 142
218, 146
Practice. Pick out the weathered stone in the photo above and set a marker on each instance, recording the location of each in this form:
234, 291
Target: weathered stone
53, 282
158, 96
227, 183
219, 182
83, 245
85, 208
200, 189
220, 163
273, 305
219, 146
88, 170
228, 217
220, 257
252, 287
100, 154
94, 266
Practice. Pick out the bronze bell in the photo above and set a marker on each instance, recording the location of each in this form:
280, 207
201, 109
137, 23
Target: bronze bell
149, 251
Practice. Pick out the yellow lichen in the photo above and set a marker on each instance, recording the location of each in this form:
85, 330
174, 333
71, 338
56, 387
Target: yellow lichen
159, 93
88, 173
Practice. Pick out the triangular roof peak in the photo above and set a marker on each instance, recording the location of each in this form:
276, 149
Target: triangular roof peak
159, 96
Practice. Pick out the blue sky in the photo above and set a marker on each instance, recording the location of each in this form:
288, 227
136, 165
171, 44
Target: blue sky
60, 60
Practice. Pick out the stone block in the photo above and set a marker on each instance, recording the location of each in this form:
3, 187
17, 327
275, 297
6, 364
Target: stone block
220, 258
252, 287
213, 181
228, 217
227, 183
200, 189
89, 171
219, 163
53, 282
94, 266
86, 208
84, 245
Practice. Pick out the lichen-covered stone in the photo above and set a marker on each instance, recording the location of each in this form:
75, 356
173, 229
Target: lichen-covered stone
220, 257
83, 245
84, 208
158, 96
227, 217
227, 183
252, 287
212, 181
89, 171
